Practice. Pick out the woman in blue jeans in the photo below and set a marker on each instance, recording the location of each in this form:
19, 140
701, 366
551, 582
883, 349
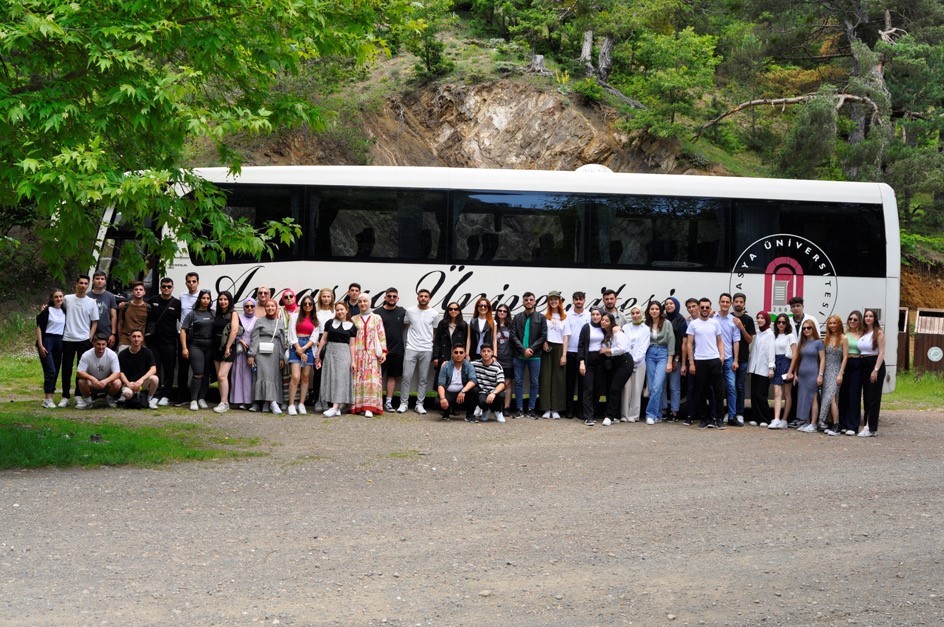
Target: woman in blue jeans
50, 325
659, 358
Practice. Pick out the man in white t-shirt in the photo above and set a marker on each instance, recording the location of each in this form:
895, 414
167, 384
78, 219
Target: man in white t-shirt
705, 354
420, 322
81, 326
99, 373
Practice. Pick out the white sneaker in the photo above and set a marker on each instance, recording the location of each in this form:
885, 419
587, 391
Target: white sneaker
388, 405
64, 403
275, 408
254, 407
865, 433
850, 432
607, 422
420, 409
80, 403
808, 428
555, 415
499, 417
831, 432
740, 419
111, 402
152, 404
194, 405
164, 402
402, 408
221, 408
763, 424
775, 424
302, 410
49, 403
202, 403
650, 421
368, 414
292, 411
477, 412
753, 423
331, 412
546, 415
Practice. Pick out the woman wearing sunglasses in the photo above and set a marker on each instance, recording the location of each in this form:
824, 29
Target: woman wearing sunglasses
807, 369
784, 352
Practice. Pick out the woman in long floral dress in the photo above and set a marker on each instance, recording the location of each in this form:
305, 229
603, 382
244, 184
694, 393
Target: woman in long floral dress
370, 351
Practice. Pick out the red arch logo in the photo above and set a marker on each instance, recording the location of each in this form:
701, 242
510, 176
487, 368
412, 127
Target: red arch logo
783, 279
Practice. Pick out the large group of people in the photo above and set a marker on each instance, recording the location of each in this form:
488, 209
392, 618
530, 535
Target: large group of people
344, 357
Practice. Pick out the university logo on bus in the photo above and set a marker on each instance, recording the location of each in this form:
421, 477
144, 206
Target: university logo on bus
779, 267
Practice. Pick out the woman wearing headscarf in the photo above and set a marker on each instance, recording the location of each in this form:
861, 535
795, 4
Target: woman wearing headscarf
240, 390
761, 366
672, 390
370, 351
267, 354
639, 338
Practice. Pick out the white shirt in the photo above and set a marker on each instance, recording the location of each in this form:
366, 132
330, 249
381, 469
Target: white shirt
100, 368
706, 334
762, 353
619, 344
57, 321
187, 301
80, 314
419, 335
639, 339
783, 342
572, 327
555, 329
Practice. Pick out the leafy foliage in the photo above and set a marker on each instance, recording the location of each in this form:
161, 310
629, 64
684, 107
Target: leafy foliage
98, 99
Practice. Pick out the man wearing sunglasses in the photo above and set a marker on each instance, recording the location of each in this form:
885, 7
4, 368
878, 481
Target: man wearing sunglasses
457, 385
162, 336
705, 356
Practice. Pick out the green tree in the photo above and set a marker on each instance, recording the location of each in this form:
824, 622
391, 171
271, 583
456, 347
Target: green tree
430, 18
98, 100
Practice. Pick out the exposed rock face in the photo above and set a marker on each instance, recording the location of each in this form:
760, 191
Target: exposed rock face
504, 124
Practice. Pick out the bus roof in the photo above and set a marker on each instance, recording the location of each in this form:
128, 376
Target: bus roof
594, 182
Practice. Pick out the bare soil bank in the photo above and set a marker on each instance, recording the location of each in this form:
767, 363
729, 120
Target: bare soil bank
407, 520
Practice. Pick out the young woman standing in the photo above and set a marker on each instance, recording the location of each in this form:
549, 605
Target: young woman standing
872, 349
267, 354
639, 338
807, 369
660, 358
850, 392
504, 353
50, 325
481, 330
452, 330
224, 340
837, 355
240, 391
553, 391
592, 366
761, 366
337, 346
303, 335
618, 363
196, 345
784, 352
370, 351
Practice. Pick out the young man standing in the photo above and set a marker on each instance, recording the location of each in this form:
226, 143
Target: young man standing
99, 373
745, 324
187, 300
609, 306
107, 307
731, 337
490, 379
577, 317
528, 334
705, 355
165, 313
394, 317
691, 305
132, 314
138, 371
81, 326
456, 384
353, 293
420, 321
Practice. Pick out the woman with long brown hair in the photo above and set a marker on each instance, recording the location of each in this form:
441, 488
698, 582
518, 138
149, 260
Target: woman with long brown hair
784, 352
872, 349
837, 354
553, 389
481, 330
850, 393
807, 369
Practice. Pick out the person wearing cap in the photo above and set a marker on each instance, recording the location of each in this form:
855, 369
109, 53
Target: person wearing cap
553, 363
528, 334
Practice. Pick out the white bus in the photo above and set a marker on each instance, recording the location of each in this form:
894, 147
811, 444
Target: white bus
461, 233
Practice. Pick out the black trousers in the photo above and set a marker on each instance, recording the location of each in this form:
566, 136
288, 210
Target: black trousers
498, 404
709, 379
850, 395
872, 392
183, 376
71, 353
760, 390
572, 381
471, 399
594, 382
620, 370
165, 354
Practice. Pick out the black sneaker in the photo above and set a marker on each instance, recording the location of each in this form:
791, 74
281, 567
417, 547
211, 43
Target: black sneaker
672, 417
704, 424
732, 422
719, 424
589, 423
688, 422
519, 413
469, 418
793, 424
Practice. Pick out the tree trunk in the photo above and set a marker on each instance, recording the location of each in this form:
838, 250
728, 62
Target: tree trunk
537, 65
605, 59
586, 53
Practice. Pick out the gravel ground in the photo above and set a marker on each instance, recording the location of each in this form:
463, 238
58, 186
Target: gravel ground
408, 520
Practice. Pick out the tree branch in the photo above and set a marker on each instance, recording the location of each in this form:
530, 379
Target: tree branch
840, 100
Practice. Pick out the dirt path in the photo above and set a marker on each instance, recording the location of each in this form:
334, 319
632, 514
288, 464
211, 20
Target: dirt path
405, 520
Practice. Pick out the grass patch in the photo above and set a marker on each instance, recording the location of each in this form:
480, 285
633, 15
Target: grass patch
28, 441
21, 375
742, 164
916, 390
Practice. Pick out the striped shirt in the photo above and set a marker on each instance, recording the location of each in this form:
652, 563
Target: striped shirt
488, 376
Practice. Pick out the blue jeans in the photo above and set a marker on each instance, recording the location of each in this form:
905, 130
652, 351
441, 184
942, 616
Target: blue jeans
739, 377
534, 374
729, 387
51, 362
656, 359
672, 391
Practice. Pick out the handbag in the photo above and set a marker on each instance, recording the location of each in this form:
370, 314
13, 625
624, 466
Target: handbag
267, 348
226, 330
